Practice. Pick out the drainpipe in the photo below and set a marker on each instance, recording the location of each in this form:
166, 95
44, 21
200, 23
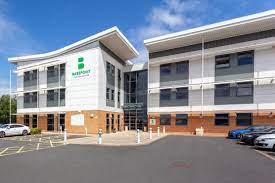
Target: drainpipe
202, 76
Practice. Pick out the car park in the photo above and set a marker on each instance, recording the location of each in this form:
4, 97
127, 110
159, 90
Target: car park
249, 138
236, 134
13, 129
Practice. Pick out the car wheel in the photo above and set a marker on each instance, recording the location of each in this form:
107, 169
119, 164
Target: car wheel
25, 132
2, 134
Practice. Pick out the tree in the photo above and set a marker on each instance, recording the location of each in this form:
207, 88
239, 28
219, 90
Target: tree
5, 109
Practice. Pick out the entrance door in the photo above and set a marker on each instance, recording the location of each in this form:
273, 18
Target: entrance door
50, 122
62, 121
107, 123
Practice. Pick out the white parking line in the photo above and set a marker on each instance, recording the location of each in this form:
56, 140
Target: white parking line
37, 148
19, 150
51, 143
266, 155
4, 151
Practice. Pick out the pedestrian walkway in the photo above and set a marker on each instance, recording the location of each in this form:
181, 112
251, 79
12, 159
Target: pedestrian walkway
125, 138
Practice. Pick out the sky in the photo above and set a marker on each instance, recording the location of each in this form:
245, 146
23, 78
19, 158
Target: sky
38, 26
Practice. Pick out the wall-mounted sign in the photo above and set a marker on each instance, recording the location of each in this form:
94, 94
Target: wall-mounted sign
153, 122
77, 120
81, 68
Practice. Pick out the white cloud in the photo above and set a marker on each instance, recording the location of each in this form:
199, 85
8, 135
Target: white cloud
169, 16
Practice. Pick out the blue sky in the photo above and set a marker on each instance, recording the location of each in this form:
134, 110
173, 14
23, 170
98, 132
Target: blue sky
36, 26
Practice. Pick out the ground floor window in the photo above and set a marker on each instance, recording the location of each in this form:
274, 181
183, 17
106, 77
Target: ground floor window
50, 122
165, 119
27, 120
244, 119
113, 122
181, 119
222, 119
62, 121
34, 121
107, 123
118, 122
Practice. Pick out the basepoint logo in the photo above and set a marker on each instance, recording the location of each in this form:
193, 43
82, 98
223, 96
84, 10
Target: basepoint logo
80, 66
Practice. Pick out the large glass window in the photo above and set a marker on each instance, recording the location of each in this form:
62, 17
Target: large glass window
107, 123
27, 120
165, 69
182, 93
30, 100
50, 122
165, 119
222, 61
245, 58
222, 90
34, 121
165, 94
245, 89
182, 67
107, 93
222, 119
181, 119
244, 119
52, 97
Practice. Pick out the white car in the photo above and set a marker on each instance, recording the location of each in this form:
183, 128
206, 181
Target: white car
13, 129
265, 142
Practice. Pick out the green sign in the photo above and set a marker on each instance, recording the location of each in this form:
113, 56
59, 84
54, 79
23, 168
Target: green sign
81, 71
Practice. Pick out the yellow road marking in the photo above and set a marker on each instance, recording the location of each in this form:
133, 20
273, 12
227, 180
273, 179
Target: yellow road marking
4, 150
19, 150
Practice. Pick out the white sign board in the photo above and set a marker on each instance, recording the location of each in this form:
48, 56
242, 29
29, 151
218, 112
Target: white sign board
77, 120
152, 122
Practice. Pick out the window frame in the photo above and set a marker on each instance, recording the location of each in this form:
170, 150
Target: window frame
227, 117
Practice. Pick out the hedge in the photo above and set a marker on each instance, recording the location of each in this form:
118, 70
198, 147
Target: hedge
35, 131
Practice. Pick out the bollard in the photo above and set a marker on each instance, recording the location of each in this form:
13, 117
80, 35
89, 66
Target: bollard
163, 130
86, 131
158, 131
138, 136
100, 136
150, 133
65, 136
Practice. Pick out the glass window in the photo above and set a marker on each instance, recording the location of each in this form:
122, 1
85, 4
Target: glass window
118, 96
107, 93
26, 76
244, 119
26, 120
165, 69
165, 119
245, 89
34, 74
182, 93
222, 61
245, 58
181, 119
165, 94
222, 90
27, 98
108, 67
34, 121
221, 119
182, 67
113, 95
34, 97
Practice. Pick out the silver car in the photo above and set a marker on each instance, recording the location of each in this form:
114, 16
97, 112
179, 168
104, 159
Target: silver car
13, 129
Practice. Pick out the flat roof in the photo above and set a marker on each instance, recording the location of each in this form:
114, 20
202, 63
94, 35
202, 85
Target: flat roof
112, 38
234, 27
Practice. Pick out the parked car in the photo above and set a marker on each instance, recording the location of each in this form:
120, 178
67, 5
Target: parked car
249, 138
265, 142
236, 134
13, 129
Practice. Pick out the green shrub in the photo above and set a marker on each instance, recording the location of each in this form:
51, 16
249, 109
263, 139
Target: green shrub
35, 131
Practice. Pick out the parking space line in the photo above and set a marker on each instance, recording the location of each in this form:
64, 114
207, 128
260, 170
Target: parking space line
37, 148
20, 149
51, 143
264, 154
4, 151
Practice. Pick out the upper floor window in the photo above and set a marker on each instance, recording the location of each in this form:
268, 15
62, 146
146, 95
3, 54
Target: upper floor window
245, 58
110, 68
30, 100
52, 98
165, 69
107, 93
222, 61
245, 89
182, 67
165, 94
30, 75
182, 93
222, 90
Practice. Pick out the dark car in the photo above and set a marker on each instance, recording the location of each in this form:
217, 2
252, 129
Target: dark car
249, 138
